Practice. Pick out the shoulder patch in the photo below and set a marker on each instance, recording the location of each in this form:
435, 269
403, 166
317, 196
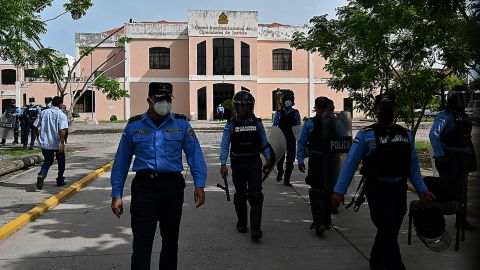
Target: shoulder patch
135, 118
179, 116
367, 128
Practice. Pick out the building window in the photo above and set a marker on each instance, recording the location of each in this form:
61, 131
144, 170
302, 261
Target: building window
202, 58
9, 76
86, 103
282, 59
29, 73
159, 58
245, 59
223, 56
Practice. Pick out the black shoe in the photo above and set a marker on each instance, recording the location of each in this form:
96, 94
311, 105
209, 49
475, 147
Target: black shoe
319, 230
61, 184
287, 184
31, 148
40, 180
242, 229
256, 235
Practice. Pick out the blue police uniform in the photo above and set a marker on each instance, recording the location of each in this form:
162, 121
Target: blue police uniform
450, 137
389, 158
285, 119
29, 114
157, 189
247, 139
318, 177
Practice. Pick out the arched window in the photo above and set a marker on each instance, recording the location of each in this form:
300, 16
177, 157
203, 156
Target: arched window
9, 76
202, 58
202, 103
159, 58
282, 59
245, 55
223, 56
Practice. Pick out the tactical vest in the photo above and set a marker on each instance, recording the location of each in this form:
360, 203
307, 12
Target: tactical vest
392, 154
31, 112
245, 138
287, 121
460, 136
317, 139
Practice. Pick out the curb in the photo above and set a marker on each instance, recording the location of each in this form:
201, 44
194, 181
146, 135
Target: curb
23, 163
51, 202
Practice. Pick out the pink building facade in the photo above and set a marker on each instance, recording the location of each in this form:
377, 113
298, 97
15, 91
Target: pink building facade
204, 62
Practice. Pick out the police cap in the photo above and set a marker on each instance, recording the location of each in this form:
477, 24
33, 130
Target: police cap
385, 100
160, 93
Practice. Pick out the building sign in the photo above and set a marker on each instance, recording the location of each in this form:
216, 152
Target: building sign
214, 23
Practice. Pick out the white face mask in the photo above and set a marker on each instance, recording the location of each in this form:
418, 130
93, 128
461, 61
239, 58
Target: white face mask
288, 103
32, 103
162, 108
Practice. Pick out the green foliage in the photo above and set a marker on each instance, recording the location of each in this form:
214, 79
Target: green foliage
21, 27
228, 104
75, 114
113, 118
110, 87
396, 46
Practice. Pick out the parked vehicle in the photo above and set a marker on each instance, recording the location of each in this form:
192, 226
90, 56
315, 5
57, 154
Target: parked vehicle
428, 112
473, 110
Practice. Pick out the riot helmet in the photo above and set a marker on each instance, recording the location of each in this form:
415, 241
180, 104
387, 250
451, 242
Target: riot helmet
458, 97
31, 99
243, 103
288, 99
429, 225
385, 108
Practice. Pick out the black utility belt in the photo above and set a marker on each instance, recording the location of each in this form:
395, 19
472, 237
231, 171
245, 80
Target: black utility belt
244, 156
151, 174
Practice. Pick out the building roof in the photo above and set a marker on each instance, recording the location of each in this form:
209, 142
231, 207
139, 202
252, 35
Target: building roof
274, 24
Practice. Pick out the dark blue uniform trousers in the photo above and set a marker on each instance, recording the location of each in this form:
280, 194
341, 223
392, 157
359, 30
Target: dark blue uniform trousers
388, 206
156, 199
290, 157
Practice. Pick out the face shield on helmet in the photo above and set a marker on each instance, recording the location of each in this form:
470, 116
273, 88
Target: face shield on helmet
243, 103
288, 99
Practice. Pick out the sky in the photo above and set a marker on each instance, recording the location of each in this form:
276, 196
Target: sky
107, 14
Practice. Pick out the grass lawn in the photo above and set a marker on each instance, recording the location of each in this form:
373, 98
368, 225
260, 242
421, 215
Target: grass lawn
422, 145
15, 154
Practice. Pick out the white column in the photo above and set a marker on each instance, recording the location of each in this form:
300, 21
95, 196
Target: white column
127, 80
17, 93
311, 84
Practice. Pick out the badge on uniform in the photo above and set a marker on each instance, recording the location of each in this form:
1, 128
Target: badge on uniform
173, 131
142, 132
191, 133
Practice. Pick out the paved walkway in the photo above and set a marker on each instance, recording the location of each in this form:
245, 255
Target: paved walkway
82, 233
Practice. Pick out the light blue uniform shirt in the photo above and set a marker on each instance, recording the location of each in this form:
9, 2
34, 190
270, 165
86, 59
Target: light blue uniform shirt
364, 144
159, 149
50, 122
227, 136
276, 117
305, 135
444, 123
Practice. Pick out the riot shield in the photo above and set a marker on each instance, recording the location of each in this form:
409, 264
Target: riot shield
336, 140
278, 147
297, 130
7, 125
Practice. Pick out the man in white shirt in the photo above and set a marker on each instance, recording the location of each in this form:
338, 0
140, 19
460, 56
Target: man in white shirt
50, 128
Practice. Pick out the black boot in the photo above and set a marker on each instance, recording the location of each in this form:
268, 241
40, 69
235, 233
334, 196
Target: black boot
255, 199
318, 212
288, 174
3, 141
240, 202
279, 175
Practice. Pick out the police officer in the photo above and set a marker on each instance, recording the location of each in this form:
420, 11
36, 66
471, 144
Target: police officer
157, 138
286, 118
246, 135
13, 111
29, 115
451, 141
389, 158
311, 138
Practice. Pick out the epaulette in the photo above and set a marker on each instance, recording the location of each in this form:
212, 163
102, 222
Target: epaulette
367, 128
259, 120
134, 118
179, 116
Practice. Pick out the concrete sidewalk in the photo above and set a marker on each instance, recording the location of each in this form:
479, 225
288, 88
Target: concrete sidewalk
82, 233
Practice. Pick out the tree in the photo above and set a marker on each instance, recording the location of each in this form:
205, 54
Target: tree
20, 28
404, 47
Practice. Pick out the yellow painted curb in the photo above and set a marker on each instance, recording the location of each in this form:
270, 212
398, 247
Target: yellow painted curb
51, 202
